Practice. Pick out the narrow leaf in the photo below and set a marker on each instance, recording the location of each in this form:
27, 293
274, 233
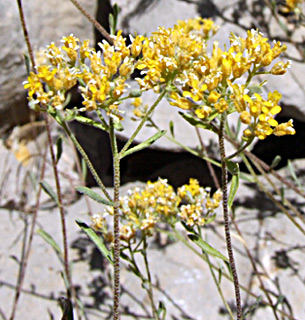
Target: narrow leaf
49, 191
233, 190
93, 195
135, 271
90, 122
247, 177
187, 227
67, 309
210, 219
59, 149
27, 63
219, 275
206, 247
111, 24
161, 309
49, 239
195, 122
275, 162
171, 128
98, 241
145, 144
84, 169
233, 167
293, 175
253, 307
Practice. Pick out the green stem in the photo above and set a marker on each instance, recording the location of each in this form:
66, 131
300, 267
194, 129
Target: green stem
149, 289
219, 289
84, 155
271, 197
216, 268
240, 150
145, 118
116, 221
141, 276
190, 150
226, 216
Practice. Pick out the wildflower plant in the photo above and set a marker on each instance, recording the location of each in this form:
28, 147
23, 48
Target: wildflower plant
206, 86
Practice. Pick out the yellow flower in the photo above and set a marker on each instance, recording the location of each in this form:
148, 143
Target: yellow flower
203, 112
280, 68
137, 102
213, 96
245, 117
221, 106
284, 129
180, 102
136, 46
292, 4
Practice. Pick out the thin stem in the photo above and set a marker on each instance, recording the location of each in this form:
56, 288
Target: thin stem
209, 164
31, 236
190, 150
226, 216
84, 156
269, 194
285, 201
145, 118
25, 34
256, 271
66, 261
150, 289
267, 168
228, 277
219, 289
93, 21
240, 150
60, 206
116, 221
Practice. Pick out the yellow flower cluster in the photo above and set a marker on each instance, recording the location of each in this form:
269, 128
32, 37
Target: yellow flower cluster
157, 202
102, 75
170, 52
208, 84
291, 5
173, 58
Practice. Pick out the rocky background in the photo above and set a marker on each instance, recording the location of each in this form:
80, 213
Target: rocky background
185, 283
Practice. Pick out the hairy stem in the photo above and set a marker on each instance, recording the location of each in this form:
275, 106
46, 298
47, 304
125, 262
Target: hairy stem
145, 118
84, 156
257, 273
116, 222
226, 217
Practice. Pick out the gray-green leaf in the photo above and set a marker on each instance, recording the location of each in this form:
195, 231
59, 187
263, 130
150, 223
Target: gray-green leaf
145, 144
49, 191
206, 247
93, 195
98, 241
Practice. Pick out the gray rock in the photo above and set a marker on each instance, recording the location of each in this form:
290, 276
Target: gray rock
21, 162
47, 21
184, 281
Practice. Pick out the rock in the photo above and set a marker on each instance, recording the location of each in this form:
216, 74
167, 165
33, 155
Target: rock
47, 21
21, 163
184, 280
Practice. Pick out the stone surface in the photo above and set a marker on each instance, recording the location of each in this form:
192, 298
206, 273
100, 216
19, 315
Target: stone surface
47, 21
145, 16
186, 286
21, 161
